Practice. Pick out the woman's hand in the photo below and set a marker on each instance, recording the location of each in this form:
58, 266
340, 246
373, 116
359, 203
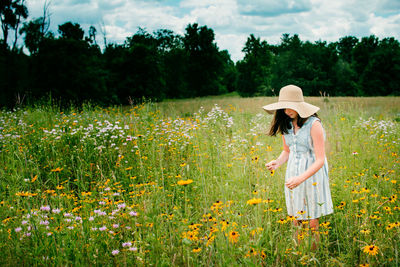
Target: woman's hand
272, 165
293, 182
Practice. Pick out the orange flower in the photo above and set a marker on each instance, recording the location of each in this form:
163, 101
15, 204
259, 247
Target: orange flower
233, 236
254, 201
185, 182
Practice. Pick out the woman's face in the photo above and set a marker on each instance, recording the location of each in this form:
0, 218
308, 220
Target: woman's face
291, 113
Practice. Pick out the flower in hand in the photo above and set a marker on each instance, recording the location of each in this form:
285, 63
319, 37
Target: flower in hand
293, 182
272, 165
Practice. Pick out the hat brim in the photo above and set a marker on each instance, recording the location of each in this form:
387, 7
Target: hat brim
304, 109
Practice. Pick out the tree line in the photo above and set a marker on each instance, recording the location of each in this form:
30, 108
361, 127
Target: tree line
71, 68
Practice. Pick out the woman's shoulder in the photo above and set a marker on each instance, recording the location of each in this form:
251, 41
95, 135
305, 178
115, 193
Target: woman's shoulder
311, 120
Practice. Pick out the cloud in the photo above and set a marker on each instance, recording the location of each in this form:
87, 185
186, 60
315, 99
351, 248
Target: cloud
232, 20
271, 8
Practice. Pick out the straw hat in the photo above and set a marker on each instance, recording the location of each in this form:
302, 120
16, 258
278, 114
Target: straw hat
291, 96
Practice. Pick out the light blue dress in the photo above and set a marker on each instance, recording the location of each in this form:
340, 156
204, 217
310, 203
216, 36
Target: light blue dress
312, 198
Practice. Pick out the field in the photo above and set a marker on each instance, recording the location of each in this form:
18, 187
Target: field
183, 183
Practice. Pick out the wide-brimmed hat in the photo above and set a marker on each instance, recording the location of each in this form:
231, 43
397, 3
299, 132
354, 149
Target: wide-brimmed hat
291, 96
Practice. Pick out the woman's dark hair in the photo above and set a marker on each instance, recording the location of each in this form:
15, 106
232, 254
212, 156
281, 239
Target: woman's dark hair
281, 123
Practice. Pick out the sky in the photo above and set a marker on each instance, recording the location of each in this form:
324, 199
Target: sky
232, 20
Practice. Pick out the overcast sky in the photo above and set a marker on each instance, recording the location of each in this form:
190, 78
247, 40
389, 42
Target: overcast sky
232, 20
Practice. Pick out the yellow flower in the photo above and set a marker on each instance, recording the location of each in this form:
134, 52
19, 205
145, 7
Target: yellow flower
254, 201
185, 182
196, 250
34, 178
371, 250
365, 231
58, 169
282, 221
233, 236
272, 172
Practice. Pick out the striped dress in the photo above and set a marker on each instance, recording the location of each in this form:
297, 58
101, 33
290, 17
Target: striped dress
312, 198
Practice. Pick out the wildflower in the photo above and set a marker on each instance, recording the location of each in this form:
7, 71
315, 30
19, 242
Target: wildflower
58, 169
196, 250
121, 206
115, 252
272, 172
126, 244
115, 225
282, 221
364, 265
103, 228
34, 178
18, 229
56, 211
254, 201
45, 208
185, 182
371, 250
133, 249
301, 212
233, 236
365, 231
133, 213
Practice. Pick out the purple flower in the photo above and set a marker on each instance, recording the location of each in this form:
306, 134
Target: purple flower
45, 222
126, 244
115, 252
115, 225
133, 213
132, 249
121, 206
56, 211
45, 208
103, 228
18, 229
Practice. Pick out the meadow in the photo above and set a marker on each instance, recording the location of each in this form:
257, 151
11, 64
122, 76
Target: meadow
184, 183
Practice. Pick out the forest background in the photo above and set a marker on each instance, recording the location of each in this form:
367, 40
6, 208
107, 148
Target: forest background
70, 67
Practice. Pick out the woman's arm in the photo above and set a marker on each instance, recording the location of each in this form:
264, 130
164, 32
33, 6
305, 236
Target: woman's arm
317, 135
283, 157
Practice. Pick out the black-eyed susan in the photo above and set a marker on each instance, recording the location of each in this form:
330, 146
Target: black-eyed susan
282, 221
196, 250
371, 250
365, 231
233, 236
185, 182
254, 201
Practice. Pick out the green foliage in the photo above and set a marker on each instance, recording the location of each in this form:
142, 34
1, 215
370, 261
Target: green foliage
143, 185
163, 65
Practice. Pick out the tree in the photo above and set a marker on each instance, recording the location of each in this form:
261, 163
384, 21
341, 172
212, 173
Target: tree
71, 30
254, 71
11, 12
345, 47
35, 32
205, 64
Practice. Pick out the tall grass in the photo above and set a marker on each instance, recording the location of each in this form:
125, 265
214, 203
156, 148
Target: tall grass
184, 183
